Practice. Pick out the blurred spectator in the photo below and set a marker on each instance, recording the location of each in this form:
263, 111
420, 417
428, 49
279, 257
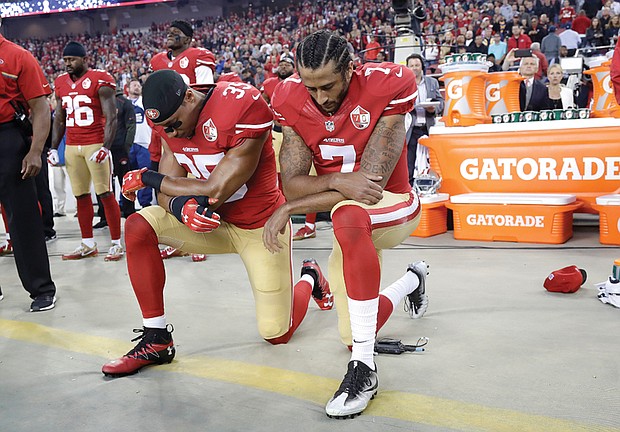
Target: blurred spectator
560, 97
372, 49
542, 61
567, 13
612, 29
533, 94
498, 48
595, 34
581, 23
495, 67
550, 46
535, 31
477, 46
571, 40
518, 40
592, 7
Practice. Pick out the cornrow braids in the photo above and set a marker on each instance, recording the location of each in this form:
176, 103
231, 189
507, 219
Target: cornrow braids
321, 47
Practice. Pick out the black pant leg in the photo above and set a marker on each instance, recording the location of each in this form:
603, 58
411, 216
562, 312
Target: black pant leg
412, 148
44, 196
121, 167
19, 198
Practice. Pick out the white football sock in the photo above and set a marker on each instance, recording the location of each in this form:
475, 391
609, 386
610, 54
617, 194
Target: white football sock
308, 278
363, 328
156, 322
401, 287
90, 242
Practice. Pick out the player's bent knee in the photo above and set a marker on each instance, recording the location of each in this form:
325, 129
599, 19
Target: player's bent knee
271, 330
137, 229
350, 216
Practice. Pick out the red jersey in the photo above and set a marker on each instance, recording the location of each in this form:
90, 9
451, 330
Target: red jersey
233, 113
186, 63
338, 141
21, 78
85, 120
269, 85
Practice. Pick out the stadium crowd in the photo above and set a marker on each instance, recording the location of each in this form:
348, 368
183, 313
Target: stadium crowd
254, 41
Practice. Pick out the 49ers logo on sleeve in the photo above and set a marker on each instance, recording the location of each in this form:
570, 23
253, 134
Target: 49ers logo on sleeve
360, 118
86, 84
209, 130
184, 62
152, 113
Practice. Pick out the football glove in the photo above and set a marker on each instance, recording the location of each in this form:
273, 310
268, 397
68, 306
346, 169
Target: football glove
100, 155
52, 157
194, 212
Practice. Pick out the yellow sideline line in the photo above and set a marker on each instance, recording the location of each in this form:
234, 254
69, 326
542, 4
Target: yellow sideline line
409, 407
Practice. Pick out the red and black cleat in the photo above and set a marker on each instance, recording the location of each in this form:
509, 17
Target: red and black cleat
320, 292
155, 347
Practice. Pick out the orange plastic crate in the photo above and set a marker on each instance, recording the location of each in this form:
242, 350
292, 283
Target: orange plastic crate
608, 207
513, 221
433, 219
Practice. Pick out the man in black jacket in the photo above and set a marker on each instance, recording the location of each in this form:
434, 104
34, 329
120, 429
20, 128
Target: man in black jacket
125, 132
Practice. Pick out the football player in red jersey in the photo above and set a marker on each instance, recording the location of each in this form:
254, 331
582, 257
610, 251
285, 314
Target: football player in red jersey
196, 66
350, 123
222, 137
86, 110
286, 68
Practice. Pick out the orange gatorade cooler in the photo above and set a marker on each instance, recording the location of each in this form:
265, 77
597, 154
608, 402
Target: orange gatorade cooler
502, 92
514, 217
434, 216
609, 218
465, 101
604, 102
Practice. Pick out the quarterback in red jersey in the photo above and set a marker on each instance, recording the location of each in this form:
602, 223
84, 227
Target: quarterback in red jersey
86, 110
220, 136
350, 123
196, 65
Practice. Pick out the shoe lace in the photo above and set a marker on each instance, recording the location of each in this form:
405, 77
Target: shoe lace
354, 379
146, 338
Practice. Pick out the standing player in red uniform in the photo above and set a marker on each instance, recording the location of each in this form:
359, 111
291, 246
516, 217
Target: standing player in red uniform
86, 110
195, 65
350, 123
222, 137
286, 68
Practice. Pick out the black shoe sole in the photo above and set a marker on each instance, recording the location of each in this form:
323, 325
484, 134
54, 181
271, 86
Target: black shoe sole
349, 416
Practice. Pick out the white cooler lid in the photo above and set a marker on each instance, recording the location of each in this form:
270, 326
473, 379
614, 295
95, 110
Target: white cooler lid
433, 198
513, 198
613, 199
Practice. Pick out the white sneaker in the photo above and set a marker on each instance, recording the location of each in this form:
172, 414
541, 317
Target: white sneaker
82, 251
115, 254
357, 389
416, 302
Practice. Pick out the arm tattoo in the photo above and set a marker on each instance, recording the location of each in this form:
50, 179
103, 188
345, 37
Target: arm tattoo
384, 148
295, 156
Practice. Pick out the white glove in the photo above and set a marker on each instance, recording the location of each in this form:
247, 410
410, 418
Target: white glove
52, 157
100, 155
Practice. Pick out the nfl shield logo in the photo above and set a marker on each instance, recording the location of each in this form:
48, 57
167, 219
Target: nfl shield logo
360, 118
209, 130
184, 62
329, 125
